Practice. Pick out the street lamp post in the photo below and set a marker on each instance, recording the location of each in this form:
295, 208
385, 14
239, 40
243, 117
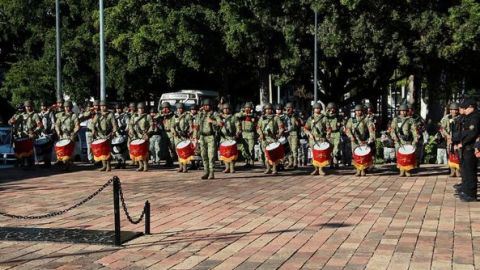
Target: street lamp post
58, 49
315, 64
102, 54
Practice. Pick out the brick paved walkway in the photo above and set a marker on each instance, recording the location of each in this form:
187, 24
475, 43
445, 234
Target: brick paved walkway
250, 221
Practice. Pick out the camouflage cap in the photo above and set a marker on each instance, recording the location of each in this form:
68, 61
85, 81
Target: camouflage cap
454, 106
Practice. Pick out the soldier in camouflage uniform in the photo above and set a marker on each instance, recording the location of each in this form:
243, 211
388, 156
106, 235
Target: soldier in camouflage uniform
447, 126
403, 131
229, 130
155, 138
196, 161
67, 127
361, 132
248, 123
104, 126
168, 140
293, 124
59, 108
27, 125
421, 127
182, 130
270, 128
316, 131
207, 125
140, 127
334, 125
48, 120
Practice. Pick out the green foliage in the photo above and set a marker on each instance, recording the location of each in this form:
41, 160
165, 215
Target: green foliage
430, 154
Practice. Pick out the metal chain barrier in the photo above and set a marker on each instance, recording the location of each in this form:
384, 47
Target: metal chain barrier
125, 209
58, 213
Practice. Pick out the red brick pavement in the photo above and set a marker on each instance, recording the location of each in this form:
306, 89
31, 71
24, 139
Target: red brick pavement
249, 221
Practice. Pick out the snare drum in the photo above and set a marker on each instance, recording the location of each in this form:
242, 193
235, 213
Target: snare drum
23, 147
228, 151
139, 150
362, 157
406, 158
64, 149
321, 154
274, 153
185, 151
101, 150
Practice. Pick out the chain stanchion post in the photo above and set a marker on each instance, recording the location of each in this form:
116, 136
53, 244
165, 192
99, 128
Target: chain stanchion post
116, 210
147, 217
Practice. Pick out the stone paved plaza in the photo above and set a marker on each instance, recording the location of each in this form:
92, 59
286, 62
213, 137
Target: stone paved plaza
249, 220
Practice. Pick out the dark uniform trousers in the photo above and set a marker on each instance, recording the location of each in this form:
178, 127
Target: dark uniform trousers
469, 171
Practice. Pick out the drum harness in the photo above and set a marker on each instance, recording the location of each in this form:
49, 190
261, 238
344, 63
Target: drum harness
402, 136
183, 134
315, 123
356, 132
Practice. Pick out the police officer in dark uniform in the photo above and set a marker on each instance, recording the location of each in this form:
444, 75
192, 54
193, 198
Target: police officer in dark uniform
468, 135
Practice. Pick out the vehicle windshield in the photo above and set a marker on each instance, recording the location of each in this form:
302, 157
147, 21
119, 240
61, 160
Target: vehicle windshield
5, 136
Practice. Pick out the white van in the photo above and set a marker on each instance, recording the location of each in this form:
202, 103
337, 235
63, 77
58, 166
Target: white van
188, 97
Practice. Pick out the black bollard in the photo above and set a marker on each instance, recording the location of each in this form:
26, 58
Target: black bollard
147, 217
116, 210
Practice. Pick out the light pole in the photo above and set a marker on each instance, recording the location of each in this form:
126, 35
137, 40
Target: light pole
315, 62
58, 49
102, 55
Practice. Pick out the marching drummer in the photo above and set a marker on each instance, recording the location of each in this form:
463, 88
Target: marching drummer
182, 131
26, 127
140, 127
105, 127
48, 120
229, 131
195, 162
293, 124
447, 126
248, 122
361, 132
67, 127
421, 130
334, 124
404, 132
316, 131
205, 134
168, 141
270, 128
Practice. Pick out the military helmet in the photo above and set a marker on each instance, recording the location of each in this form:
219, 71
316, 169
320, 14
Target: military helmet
331, 105
118, 106
194, 107
103, 103
153, 110
248, 105
403, 107
454, 106
289, 105
28, 103
141, 105
267, 106
227, 106
207, 101
68, 103
96, 103
317, 106
132, 105
165, 105
278, 107
359, 107
180, 105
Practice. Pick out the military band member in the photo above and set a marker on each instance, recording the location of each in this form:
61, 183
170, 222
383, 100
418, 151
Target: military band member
334, 125
447, 125
140, 127
67, 127
403, 132
48, 120
104, 126
155, 137
361, 131
248, 124
293, 123
421, 128
229, 130
121, 118
168, 140
316, 131
59, 108
181, 130
207, 126
195, 163
270, 128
